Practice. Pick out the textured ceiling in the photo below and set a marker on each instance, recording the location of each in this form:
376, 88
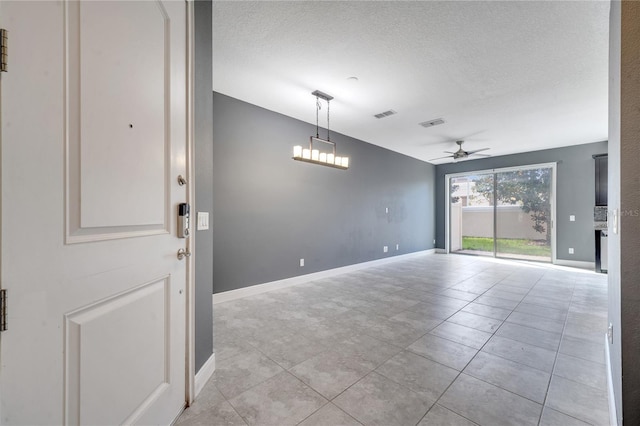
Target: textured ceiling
513, 76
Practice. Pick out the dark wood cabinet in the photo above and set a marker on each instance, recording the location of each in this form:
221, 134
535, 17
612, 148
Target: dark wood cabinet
600, 212
602, 170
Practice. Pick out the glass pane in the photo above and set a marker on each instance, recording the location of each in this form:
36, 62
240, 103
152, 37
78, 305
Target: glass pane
471, 210
523, 214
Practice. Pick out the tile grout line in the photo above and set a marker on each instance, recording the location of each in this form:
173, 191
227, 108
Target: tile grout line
403, 349
555, 359
386, 280
555, 362
469, 362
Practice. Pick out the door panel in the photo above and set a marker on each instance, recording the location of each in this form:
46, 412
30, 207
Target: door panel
93, 137
523, 214
113, 134
471, 214
118, 119
125, 333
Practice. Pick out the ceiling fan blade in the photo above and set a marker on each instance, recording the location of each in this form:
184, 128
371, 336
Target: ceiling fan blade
477, 150
449, 152
440, 158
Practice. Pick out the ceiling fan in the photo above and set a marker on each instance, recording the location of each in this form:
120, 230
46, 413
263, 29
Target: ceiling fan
461, 153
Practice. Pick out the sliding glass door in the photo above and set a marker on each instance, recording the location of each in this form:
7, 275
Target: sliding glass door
503, 213
471, 215
523, 214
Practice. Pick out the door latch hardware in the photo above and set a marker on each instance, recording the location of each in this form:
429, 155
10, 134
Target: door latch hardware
181, 180
3, 50
182, 253
183, 220
3, 310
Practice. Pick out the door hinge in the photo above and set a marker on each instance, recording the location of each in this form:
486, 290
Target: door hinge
3, 310
3, 50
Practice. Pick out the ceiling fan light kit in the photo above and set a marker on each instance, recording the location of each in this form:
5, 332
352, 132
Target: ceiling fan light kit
461, 154
314, 156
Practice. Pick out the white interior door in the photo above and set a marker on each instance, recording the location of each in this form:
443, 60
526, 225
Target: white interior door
94, 134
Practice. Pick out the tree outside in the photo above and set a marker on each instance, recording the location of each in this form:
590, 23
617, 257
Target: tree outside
530, 189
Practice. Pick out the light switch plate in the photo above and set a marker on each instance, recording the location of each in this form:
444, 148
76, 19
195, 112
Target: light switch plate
572, 218
203, 221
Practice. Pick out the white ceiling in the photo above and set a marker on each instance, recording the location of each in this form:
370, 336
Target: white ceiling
513, 76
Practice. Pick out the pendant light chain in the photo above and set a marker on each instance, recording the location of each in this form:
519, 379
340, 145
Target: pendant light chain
328, 136
317, 110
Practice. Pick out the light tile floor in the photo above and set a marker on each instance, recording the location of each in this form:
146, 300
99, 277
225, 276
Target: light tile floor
432, 340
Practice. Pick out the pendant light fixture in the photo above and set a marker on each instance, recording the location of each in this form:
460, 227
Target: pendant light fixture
315, 156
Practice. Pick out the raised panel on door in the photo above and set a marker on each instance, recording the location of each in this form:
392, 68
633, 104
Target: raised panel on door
126, 335
118, 119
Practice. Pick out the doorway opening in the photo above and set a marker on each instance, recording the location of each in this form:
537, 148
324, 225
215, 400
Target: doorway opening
507, 213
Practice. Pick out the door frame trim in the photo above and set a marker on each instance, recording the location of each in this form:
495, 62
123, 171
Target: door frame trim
190, 242
2, 22
447, 183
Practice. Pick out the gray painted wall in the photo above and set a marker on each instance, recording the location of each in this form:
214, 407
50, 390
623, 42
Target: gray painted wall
624, 195
269, 211
575, 185
203, 152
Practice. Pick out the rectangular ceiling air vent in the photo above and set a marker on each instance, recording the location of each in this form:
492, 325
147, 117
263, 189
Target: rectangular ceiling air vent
385, 114
432, 123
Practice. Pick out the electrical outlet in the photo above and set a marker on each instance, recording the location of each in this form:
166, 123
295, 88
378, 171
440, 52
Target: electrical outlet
572, 218
397, 247
386, 209
385, 249
610, 333
434, 241
301, 263
570, 250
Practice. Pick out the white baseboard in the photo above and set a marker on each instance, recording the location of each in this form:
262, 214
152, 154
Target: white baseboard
576, 264
204, 374
288, 282
441, 251
613, 416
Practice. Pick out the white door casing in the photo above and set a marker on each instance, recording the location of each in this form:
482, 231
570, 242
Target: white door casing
1, 284
94, 135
